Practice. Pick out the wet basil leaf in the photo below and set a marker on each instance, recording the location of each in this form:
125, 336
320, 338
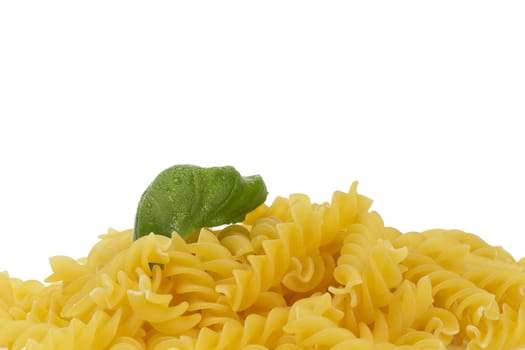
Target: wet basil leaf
185, 198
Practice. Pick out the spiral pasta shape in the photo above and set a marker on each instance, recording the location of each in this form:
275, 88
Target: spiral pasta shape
293, 275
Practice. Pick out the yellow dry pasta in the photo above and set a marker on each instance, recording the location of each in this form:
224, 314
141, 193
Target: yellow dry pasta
293, 275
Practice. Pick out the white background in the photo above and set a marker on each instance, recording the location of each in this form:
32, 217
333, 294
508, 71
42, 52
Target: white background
422, 102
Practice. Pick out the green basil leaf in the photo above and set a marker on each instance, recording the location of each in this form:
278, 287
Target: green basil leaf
185, 198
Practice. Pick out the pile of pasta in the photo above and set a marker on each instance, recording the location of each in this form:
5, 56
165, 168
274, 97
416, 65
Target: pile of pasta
293, 275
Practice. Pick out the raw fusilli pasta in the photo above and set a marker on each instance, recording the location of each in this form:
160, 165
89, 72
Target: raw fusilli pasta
293, 275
